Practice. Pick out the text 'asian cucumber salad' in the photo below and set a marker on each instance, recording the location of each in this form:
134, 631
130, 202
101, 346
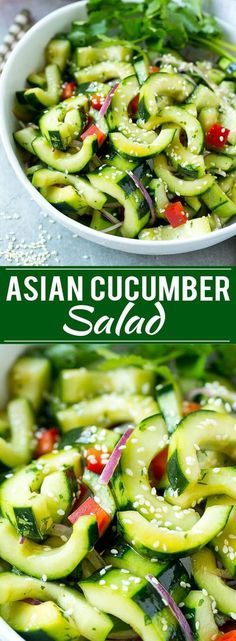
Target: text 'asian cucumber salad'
117, 494
124, 134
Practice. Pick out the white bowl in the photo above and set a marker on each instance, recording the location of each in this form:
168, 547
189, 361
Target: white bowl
27, 56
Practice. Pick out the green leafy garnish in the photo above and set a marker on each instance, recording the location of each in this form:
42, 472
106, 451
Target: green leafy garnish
159, 24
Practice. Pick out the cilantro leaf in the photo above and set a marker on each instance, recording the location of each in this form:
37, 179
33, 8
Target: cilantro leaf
157, 24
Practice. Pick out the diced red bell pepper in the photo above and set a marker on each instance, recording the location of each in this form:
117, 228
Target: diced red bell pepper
217, 136
158, 464
189, 406
228, 636
153, 69
175, 214
46, 441
94, 130
91, 507
68, 90
134, 104
97, 101
96, 460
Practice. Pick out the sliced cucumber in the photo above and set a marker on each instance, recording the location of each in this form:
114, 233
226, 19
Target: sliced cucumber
148, 440
120, 122
44, 621
228, 88
104, 71
198, 611
159, 190
107, 410
166, 544
119, 185
86, 56
205, 574
32, 503
175, 86
215, 162
25, 137
100, 88
62, 160
194, 202
124, 556
58, 52
64, 122
141, 64
124, 164
60, 490
39, 98
191, 108
191, 229
184, 161
135, 149
37, 79
30, 378
227, 65
203, 97
55, 563
206, 429
18, 449
77, 384
208, 116
219, 203
228, 120
91, 623
118, 116
170, 403
179, 116
102, 492
65, 199
177, 185
88, 195
133, 601
213, 481
89, 437
224, 545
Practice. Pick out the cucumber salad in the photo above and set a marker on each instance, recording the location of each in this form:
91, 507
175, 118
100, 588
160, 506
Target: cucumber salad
117, 494
133, 138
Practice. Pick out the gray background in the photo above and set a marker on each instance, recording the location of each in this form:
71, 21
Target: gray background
28, 236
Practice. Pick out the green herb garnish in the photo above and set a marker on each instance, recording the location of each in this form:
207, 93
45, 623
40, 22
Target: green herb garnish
159, 24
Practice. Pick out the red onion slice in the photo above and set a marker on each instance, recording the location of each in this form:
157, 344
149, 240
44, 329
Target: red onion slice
167, 600
145, 193
114, 459
107, 101
32, 601
112, 228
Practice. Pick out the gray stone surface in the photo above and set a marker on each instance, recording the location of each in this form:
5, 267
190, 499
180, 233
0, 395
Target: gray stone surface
28, 237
